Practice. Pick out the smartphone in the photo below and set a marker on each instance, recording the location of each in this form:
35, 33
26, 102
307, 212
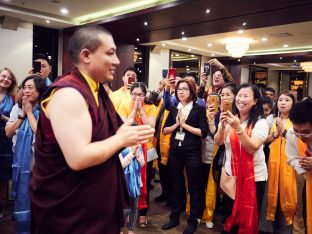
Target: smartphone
172, 73
36, 66
131, 80
206, 69
164, 73
214, 100
227, 106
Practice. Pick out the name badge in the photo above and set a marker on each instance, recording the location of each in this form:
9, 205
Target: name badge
180, 136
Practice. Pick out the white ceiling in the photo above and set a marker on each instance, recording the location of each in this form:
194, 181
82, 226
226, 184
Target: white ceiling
79, 11
297, 36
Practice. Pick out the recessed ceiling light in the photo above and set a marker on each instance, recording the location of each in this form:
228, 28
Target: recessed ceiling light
212, 54
295, 61
209, 44
145, 23
177, 55
238, 60
36, 46
244, 24
189, 50
64, 11
138, 39
285, 46
254, 63
240, 31
163, 44
281, 58
264, 39
135, 48
184, 38
192, 55
47, 21
207, 11
140, 58
182, 33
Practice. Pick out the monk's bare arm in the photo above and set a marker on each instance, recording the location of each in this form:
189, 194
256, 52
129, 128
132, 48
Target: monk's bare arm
72, 127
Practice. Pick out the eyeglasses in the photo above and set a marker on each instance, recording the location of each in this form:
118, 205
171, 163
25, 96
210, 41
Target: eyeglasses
301, 134
183, 89
137, 94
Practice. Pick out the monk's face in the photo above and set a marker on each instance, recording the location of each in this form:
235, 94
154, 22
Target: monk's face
103, 61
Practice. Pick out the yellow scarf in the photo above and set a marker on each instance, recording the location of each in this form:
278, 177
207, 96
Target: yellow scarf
302, 147
281, 180
164, 140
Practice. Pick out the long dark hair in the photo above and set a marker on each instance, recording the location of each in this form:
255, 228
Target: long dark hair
256, 111
288, 94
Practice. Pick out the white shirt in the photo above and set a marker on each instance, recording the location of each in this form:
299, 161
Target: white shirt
185, 109
260, 130
292, 152
13, 117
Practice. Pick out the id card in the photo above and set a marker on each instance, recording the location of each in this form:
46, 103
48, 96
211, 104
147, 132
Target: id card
180, 136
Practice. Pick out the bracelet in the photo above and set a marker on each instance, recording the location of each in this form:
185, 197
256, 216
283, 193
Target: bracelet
274, 137
240, 132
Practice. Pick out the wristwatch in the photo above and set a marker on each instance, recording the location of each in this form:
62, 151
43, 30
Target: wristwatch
284, 133
21, 117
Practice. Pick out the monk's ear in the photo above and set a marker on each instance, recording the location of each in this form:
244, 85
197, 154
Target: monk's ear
84, 56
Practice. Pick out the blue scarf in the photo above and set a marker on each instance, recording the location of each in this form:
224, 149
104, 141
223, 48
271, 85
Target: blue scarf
6, 105
132, 175
21, 175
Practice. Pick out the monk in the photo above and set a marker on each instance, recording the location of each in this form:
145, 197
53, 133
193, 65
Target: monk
77, 183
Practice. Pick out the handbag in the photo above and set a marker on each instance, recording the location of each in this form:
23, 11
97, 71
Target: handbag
228, 183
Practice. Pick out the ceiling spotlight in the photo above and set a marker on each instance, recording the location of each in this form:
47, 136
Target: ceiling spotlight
207, 11
212, 54
295, 61
177, 55
36, 46
47, 21
163, 44
138, 39
145, 23
189, 50
238, 60
254, 63
281, 58
135, 48
140, 58
184, 38
285, 46
209, 44
64, 11
240, 31
264, 39
192, 55
244, 24
182, 33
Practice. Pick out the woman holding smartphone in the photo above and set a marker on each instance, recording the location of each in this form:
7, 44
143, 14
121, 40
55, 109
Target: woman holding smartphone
282, 189
243, 135
145, 113
187, 124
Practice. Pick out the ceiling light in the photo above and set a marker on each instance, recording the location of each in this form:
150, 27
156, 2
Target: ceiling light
47, 21
189, 50
237, 47
36, 46
140, 58
254, 63
138, 39
244, 24
281, 58
145, 23
306, 66
295, 61
64, 11
177, 55
240, 31
184, 38
135, 48
238, 60
212, 54
163, 44
209, 45
207, 11
285, 46
192, 55
182, 33
264, 39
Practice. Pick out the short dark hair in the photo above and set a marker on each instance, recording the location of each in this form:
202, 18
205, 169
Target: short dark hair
43, 57
301, 112
129, 69
267, 100
288, 94
40, 84
191, 86
270, 89
85, 38
194, 75
143, 87
257, 110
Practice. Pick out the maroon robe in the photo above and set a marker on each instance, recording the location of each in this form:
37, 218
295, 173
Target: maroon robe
87, 201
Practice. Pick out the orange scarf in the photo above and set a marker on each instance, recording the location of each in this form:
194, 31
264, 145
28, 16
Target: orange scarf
302, 148
281, 180
244, 212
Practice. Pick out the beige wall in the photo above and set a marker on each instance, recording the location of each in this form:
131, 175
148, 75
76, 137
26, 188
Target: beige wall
158, 62
16, 49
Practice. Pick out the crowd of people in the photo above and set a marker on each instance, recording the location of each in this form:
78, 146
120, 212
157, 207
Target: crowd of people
82, 157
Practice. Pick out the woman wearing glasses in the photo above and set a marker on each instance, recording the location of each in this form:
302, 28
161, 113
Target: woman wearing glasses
187, 124
282, 189
142, 112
